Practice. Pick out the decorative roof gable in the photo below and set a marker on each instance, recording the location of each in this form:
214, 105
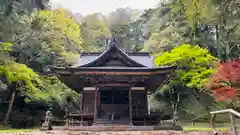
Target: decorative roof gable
113, 56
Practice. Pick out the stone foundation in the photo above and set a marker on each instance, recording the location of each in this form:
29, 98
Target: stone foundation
119, 128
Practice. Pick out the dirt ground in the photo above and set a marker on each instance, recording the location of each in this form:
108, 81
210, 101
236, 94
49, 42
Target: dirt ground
116, 133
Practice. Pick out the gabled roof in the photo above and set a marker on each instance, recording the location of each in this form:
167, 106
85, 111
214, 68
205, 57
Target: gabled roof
140, 57
114, 52
114, 67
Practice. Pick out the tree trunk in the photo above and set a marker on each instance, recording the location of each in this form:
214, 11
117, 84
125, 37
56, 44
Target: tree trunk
227, 51
9, 108
217, 43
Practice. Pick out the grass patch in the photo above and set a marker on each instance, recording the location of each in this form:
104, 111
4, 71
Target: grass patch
17, 130
205, 127
11, 130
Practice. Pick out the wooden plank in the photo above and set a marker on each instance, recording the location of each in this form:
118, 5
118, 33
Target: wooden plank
81, 114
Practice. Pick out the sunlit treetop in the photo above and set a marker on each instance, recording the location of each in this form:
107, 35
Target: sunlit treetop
65, 28
195, 64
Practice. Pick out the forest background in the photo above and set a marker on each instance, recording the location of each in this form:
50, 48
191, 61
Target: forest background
195, 35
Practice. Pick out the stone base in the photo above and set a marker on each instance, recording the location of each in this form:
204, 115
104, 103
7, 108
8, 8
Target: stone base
119, 128
45, 128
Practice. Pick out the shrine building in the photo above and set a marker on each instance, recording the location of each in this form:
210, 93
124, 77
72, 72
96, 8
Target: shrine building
114, 86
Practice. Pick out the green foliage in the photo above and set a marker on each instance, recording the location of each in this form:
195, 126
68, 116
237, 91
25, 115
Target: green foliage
194, 22
195, 64
31, 42
55, 37
8, 7
60, 38
94, 30
25, 79
58, 92
166, 32
204, 23
195, 10
7, 130
121, 24
203, 127
59, 96
15, 72
160, 102
5, 46
37, 41
214, 20
65, 30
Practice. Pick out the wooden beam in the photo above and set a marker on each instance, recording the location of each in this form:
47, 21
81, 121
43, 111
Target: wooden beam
89, 88
137, 88
121, 73
114, 84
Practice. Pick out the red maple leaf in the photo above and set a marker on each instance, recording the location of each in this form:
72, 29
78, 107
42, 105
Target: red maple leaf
225, 81
224, 93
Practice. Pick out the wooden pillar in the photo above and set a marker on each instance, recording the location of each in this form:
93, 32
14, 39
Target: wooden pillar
95, 105
146, 101
81, 104
81, 120
67, 118
146, 98
81, 107
130, 106
98, 103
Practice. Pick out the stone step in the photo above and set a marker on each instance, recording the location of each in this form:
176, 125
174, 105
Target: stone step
123, 122
111, 128
112, 122
118, 127
105, 120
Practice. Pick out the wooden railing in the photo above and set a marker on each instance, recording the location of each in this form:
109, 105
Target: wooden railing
232, 114
71, 117
139, 112
81, 113
86, 111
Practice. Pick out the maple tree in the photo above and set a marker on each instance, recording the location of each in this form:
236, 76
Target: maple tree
195, 65
225, 82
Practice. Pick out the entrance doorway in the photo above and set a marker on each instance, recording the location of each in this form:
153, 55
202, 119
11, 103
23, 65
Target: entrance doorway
114, 103
114, 97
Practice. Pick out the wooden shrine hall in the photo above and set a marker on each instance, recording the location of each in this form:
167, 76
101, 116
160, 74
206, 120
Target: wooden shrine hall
114, 86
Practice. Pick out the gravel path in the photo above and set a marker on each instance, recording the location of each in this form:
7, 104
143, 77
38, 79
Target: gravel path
115, 133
